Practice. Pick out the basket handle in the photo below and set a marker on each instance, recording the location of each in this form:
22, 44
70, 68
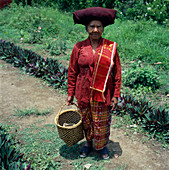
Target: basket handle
65, 105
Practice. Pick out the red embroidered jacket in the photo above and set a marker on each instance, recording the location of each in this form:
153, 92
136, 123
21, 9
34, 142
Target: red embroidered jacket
81, 66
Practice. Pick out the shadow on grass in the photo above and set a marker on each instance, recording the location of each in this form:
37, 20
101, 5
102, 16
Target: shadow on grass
72, 153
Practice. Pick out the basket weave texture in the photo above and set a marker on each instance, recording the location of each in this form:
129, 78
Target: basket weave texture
73, 133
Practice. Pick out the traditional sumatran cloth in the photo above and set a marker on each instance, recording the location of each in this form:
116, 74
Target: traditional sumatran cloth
96, 123
103, 68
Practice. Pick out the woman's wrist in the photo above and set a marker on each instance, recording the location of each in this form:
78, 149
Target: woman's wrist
69, 100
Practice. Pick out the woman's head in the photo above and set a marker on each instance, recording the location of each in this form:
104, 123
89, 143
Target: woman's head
95, 29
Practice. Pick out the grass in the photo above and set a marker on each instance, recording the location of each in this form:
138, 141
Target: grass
43, 148
30, 111
140, 40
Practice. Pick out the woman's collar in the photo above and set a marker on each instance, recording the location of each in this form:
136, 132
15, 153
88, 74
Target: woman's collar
100, 41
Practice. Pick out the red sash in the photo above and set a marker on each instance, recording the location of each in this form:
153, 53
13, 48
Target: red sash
103, 68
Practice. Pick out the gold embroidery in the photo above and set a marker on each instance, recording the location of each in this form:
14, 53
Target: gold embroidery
105, 66
105, 56
108, 47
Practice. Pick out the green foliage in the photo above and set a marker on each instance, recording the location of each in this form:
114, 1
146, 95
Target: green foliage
41, 26
57, 47
72, 5
156, 10
33, 26
48, 69
141, 76
141, 40
157, 123
153, 120
10, 156
65, 4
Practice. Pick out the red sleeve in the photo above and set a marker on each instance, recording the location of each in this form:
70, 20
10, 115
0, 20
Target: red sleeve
73, 71
117, 76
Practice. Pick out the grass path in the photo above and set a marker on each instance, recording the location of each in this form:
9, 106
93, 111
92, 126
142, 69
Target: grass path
39, 139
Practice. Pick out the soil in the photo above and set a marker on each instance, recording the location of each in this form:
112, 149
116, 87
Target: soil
18, 90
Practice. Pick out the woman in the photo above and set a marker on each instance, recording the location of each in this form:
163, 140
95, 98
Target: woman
94, 77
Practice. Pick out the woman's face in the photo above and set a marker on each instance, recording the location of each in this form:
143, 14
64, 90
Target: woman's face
95, 29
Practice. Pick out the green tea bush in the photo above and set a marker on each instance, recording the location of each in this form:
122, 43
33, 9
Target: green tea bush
141, 76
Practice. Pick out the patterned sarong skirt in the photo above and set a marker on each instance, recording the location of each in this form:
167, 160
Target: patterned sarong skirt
96, 123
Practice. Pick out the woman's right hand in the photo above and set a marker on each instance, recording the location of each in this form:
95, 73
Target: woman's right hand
69, 100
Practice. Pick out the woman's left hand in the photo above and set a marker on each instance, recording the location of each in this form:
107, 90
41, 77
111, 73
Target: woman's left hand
69, 100
114, 102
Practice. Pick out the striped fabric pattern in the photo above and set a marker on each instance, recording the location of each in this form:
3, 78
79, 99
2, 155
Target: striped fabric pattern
104, 65
96, 123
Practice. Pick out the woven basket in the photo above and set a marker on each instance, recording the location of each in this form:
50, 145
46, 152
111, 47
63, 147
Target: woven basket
74, 132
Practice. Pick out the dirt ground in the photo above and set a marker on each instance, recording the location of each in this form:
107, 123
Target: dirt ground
18, 90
